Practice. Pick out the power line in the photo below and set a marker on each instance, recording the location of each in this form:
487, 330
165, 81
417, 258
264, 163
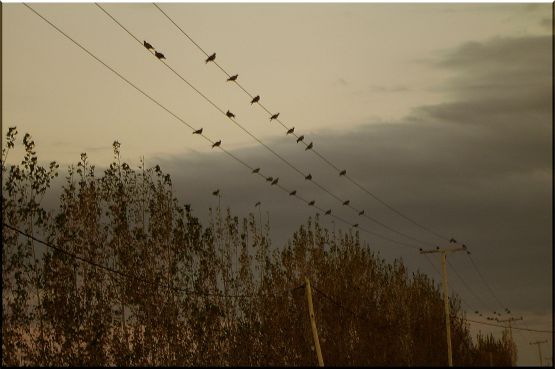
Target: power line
292, 166
513, 327
253, 170
476, 296
322, 157
485, 282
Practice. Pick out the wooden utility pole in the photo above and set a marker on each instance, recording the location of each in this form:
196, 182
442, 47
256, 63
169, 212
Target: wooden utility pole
539, 349
509, 322
443, 252
313, 322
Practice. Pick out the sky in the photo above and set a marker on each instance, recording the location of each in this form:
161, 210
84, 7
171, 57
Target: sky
442, 110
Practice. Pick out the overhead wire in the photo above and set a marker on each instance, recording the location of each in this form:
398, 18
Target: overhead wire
322, 157
287, 162
203, 135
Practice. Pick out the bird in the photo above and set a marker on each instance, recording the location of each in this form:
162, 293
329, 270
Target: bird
256, 170
355, 225
198, 132
452, 240
420, 249
218, 143
476, 312
300, 139
211, 58
347, 202
311, 203
468, 252
269, 179
328, 212
464, 246
343, 172
275, 181
310, 145
230, 114
148, 46
290, 130
437, 247
361, 212
258, 203
216, 193
159, 55
308, 177
275, 116
255, 99
292, 193
232, 78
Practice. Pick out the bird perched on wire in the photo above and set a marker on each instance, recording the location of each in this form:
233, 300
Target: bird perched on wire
269, 179
275, 181
328, 212
230, 114
255, 99
452, 240
347, 202
148, 46
361, 212
211, 58
290, 130
256, 170
216, 193
293, 193
232, 78
275, 116
217, 144
198, 132
159, 55
311, 203
343, 172
355, 225
310, 145
308, 177
257, 204
300, 139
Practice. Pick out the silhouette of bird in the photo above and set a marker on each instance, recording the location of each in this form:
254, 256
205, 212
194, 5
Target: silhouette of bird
476, 312
275, 116
269, 179
452, 240
290, 130
300, 139
198, 132
159, 55
275, 181
232, 78
310, 145
293, 193
311, 203
218, 143
211, 58
343, 172
328, 212
437, 247
347, 202
308, 177
258, 203
361, 213
464, 246
216, 193
230, 114
256, 170
148, 46
255, 99
468, 252
420, 249
355, 225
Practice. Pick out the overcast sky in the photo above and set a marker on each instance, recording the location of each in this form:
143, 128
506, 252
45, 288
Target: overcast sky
442, 110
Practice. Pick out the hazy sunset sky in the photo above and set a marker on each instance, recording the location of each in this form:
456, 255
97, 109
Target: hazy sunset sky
442, 110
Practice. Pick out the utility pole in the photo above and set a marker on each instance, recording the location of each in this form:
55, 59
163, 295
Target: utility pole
539, 349
509, 322
313, 322
443, 252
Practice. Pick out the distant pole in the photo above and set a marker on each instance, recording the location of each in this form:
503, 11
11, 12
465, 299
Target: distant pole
313, 322
509, 322
539, 349
443, 252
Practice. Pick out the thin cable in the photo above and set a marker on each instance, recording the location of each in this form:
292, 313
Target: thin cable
287, 162
322, 157
476, 296
485, 282
512, 327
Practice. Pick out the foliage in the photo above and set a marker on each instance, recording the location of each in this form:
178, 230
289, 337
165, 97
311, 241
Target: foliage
192, 294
